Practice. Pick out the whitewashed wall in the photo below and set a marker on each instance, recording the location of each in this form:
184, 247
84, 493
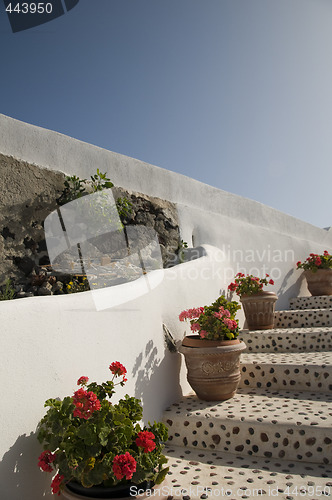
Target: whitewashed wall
48, 342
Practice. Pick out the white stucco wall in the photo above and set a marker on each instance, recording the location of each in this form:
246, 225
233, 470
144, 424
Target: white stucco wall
253, 236
48, 342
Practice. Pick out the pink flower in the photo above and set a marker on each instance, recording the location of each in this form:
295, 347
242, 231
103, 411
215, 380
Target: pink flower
83, 381
203, 334
117, 369
56, 484
193, 313
124, 466
45, 460
145, 440
230, 323
195, 327
183, 316
85, 403
224, 312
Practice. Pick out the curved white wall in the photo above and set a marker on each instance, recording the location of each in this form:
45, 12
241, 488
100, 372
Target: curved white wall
254, 236
48, 342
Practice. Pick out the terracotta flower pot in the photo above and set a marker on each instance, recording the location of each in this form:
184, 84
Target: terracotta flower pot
213, 366
320, 282
259, 309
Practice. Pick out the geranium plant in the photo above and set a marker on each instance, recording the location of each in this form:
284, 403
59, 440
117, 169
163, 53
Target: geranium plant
91, 441
249, 284
214, 322
315, 262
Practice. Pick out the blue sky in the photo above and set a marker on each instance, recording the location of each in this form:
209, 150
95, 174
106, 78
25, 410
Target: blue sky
234, 93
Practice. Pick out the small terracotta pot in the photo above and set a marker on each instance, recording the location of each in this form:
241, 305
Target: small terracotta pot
213, 366
259, 309
320, 282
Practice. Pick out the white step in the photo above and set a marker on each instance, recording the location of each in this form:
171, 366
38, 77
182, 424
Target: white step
302, 318
319, 302
308, 371
288, 339
260, 423
201, 474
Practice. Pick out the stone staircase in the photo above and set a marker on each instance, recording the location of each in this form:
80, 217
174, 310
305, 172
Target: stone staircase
274, 438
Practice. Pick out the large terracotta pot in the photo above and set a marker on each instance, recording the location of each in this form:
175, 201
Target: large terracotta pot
320, 282
213, 366
259, 309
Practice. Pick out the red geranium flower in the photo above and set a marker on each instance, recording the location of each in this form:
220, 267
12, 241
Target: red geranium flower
83, 381
124, 466
86, 403
117, 368
145, 440
45, 460
56, 483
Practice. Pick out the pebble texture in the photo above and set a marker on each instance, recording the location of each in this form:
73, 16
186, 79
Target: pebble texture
283, 425
288, 340
301, 318
201, 474
274, 438
306, 371
319, 302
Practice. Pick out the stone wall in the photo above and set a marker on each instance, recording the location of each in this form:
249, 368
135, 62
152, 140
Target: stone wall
28, 193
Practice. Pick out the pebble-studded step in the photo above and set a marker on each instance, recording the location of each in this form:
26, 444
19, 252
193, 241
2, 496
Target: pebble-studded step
319, 302
285, 425
303, 318
202, 474
288, 339
308, 371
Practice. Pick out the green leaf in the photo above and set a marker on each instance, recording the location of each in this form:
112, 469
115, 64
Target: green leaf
161, 476
103, 435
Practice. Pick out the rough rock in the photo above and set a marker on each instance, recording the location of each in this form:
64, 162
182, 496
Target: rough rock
28, 194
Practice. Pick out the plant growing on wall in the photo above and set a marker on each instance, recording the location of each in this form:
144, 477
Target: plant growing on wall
90, 441
76, 188
7, 291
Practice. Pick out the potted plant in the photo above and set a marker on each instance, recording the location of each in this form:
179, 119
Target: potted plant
318, 273
96, 448
258, 304
212, 354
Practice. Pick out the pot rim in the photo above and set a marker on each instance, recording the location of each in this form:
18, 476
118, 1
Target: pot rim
196, 341
199, 349
312, 273
262, 293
